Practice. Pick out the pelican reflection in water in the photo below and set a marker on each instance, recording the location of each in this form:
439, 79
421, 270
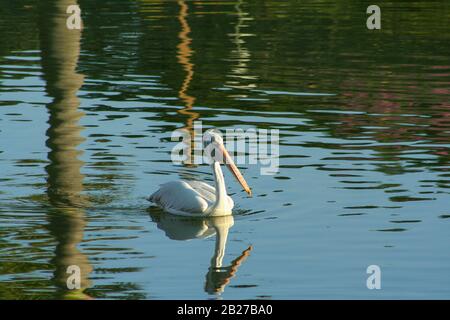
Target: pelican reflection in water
185, 228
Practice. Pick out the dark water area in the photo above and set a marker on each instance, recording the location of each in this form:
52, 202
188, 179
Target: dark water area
86, 119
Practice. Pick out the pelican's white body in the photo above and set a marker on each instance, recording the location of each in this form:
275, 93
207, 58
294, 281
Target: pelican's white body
195, 198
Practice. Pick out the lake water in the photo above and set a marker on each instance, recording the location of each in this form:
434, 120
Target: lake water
86, 119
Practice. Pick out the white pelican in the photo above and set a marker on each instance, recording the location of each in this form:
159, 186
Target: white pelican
196, 198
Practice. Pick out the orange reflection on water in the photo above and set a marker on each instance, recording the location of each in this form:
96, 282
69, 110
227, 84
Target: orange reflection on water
184, 58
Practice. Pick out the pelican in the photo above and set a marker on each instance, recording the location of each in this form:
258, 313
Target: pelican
197, 198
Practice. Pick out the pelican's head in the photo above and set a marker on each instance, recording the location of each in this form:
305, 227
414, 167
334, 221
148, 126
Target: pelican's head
212, 138
216, 151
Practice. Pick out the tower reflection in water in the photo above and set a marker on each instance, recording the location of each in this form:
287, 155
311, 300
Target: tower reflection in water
185, 228
60, 50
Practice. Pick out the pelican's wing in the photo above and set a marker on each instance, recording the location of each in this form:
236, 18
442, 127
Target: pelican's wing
206, 191
180, 197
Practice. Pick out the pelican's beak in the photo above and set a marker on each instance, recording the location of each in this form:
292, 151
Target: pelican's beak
234, 170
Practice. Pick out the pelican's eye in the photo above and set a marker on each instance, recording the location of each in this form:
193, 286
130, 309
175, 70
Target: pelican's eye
207, 141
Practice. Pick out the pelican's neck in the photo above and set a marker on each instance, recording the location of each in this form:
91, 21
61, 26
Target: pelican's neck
221, 191
221, 241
